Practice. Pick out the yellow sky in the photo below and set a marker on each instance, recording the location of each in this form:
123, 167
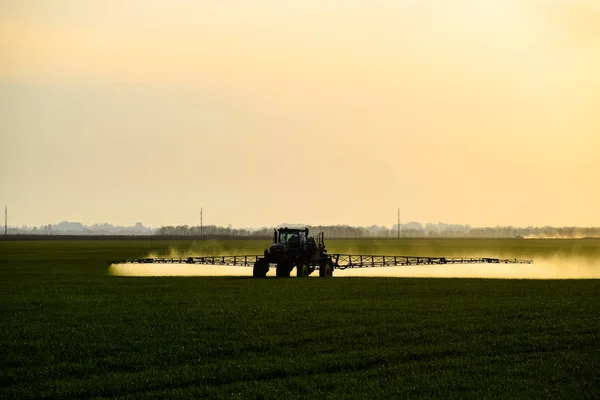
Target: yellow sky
477, 112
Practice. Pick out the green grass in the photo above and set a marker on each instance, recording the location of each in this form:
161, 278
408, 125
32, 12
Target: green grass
70, 331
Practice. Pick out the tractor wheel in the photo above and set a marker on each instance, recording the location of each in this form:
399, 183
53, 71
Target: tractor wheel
261, 267
326, 269
282, 271
302, 270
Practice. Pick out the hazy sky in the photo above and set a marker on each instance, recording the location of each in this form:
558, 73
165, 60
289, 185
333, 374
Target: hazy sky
264, 111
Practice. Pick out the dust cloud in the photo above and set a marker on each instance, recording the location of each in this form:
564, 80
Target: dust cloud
210, 247
174, 252
556, 236
542, 268
179, 269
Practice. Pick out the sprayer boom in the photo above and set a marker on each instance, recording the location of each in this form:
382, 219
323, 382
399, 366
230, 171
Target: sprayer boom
340, 261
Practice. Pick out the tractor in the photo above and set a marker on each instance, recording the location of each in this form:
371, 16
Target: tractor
294, 248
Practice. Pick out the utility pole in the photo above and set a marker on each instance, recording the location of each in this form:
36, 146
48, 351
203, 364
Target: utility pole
201, 227
398, 223
5, 220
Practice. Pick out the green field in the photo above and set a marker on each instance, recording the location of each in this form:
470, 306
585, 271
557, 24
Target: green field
69, 330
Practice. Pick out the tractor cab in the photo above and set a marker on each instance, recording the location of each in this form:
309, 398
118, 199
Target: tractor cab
287, 244
291, 237
295, 242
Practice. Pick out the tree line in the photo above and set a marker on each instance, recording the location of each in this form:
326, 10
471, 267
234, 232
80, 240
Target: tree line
411, 230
